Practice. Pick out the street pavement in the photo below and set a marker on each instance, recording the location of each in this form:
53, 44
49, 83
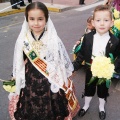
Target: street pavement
70, 26
55, 6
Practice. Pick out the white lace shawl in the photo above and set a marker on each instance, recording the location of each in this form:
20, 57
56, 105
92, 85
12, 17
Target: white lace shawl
59, 65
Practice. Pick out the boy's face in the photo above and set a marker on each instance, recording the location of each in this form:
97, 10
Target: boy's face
102, 21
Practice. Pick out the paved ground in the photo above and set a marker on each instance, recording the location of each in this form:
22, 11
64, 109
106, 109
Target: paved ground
70, 26
57, 6
68, 2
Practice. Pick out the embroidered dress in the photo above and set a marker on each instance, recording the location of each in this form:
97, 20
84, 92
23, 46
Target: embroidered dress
36, 101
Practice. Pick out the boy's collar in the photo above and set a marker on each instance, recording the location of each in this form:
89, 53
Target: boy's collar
94, 32
103, 35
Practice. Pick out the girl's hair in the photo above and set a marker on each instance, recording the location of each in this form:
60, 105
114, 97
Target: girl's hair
89, 20
37, 5
102, 8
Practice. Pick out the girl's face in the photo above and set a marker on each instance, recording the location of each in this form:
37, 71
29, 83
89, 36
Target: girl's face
36, 21
102, 22
89, 26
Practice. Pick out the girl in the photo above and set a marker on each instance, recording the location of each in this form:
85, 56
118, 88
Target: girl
41, 68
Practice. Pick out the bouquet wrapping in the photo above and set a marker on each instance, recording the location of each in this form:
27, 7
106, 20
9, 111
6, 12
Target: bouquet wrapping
9, 85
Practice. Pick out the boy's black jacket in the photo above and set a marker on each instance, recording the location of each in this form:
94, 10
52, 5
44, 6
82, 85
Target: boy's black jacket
113, 46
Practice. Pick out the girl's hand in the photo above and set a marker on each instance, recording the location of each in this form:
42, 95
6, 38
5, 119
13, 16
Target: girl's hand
78, 42
73, 74
13, 78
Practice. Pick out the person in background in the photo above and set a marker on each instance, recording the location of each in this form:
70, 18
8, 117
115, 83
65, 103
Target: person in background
88, 29
108, 2
30, 1
94, 44
14, 2
82, 2
22, 4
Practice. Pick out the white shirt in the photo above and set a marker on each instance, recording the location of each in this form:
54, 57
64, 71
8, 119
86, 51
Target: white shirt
99, 44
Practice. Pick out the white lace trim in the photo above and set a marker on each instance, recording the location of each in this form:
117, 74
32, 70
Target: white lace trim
59, 67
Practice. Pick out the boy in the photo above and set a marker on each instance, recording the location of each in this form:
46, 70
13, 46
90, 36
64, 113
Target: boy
95, 43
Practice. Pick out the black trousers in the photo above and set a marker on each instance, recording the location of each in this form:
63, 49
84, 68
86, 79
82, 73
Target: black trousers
90, 90
30, 1
16, 1
13, 2
22, 3
81, 1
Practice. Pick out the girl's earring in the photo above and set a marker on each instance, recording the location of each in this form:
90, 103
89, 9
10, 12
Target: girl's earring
45, 27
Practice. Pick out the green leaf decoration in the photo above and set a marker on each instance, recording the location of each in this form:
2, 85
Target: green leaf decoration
108, 83
78, 47
92, 80
100, 81
115, 31
88, 63
112, 9
93, 56
112, 58
10, 82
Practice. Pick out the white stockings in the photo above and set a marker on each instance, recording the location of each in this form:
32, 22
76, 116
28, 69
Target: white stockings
101, 104
87, 102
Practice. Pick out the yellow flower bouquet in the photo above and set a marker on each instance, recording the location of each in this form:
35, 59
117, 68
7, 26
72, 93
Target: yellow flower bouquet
9, 85
102, 68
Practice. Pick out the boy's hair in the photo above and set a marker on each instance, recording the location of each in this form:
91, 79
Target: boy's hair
37, 5
102, 8
89, 20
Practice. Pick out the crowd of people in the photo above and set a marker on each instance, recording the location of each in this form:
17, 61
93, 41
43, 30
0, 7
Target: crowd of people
42, 68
